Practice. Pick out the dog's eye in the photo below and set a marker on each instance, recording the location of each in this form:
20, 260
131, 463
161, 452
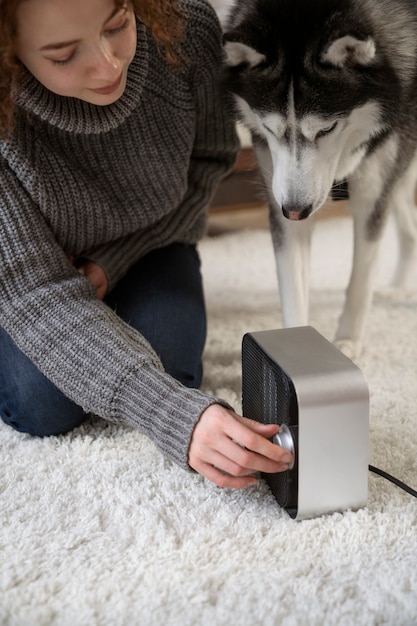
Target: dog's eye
326, 131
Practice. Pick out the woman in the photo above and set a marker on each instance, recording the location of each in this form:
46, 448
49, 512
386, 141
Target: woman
113, 139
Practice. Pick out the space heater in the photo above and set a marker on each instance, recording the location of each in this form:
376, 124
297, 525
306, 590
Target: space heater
297, 379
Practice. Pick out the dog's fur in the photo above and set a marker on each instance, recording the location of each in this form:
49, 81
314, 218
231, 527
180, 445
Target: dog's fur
328, 89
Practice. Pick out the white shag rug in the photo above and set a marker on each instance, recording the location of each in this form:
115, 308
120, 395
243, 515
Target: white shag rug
97, 529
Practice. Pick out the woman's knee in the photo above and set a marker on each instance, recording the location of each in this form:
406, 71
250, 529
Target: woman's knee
41, 420
29, 402
162, 297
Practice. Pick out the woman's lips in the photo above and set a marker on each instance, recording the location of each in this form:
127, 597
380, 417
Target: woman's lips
109, 89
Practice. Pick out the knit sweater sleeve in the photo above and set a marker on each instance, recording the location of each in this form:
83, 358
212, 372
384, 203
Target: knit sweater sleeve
216, 142
213, 155
52, 314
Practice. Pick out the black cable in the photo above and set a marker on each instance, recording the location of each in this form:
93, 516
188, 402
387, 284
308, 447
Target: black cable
393, 480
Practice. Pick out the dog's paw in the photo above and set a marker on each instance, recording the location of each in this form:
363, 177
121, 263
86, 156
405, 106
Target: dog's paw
352, 349
393, 293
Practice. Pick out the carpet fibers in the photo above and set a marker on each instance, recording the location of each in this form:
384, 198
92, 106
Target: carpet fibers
97, 529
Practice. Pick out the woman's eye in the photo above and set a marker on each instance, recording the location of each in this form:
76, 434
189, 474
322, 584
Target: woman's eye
115, 30
63, 61
326, 131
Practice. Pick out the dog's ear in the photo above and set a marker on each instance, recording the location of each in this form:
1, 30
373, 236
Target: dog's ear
238, 52
348, 50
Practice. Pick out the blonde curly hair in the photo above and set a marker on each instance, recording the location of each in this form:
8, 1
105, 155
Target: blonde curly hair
163, 18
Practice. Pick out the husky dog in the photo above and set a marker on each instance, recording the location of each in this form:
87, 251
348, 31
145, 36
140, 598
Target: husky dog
328, 89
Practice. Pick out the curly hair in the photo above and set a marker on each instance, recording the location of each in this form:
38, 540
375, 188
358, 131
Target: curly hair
163, 18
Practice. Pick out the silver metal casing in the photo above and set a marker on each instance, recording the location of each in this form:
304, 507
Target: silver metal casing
326, 406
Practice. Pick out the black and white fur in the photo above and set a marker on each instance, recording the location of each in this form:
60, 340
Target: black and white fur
328, 89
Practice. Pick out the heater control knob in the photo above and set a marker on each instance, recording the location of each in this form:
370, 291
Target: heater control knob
285, 440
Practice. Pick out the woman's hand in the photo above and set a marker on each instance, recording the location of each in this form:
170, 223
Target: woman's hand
96, 275
228, 449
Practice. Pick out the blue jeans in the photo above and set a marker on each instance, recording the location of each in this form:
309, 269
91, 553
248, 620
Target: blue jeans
161, 296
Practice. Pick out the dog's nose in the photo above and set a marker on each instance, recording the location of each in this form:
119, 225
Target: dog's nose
295, 212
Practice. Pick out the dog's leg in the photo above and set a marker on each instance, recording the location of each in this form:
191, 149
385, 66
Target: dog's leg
292, 254
369, 198
359, 292
405, 214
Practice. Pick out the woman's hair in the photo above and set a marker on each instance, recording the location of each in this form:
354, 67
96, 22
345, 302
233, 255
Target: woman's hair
163, 18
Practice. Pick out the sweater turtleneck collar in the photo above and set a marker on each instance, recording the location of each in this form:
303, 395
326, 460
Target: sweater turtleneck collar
76, 116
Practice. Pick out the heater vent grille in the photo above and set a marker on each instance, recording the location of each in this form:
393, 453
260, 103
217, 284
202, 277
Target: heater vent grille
268, 397
266, 389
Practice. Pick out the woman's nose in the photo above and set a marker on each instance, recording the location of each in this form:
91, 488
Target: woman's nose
105, 64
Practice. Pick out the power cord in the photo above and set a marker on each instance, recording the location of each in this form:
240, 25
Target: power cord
394, 480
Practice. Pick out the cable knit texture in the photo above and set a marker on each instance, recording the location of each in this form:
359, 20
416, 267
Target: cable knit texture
111, 184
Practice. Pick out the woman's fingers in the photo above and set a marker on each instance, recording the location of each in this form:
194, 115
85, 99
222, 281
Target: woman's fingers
224, 480
228, 449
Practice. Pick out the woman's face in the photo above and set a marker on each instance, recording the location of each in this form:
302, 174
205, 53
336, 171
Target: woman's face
77, 48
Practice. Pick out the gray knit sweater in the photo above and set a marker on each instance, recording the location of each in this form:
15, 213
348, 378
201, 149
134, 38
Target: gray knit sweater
111, 184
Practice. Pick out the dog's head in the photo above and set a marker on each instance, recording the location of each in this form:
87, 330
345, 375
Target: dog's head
311, 81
